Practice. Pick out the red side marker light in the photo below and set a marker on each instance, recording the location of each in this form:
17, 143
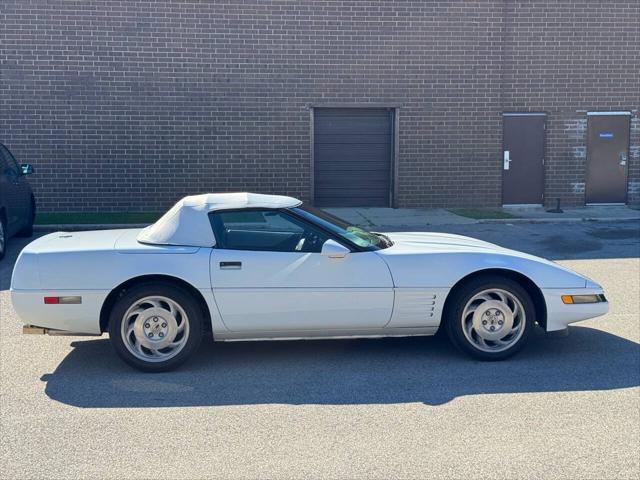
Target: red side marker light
70, 300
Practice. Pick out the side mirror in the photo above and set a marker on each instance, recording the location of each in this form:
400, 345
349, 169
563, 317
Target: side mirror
27, 169
333, 249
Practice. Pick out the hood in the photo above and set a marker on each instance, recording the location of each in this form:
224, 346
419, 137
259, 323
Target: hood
420, 259
409, 243
428, 241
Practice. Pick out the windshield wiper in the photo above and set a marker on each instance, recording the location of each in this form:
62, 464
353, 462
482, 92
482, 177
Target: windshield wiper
388, 242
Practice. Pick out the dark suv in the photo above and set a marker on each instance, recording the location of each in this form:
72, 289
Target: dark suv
17, 204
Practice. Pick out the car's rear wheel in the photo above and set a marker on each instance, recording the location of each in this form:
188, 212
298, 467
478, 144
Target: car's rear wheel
490, 317
155, 327
3, 236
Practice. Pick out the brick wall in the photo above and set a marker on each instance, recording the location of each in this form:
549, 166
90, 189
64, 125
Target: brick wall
566, 58
129, 105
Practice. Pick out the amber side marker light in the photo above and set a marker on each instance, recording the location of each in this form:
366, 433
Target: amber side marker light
573, 299
62, 300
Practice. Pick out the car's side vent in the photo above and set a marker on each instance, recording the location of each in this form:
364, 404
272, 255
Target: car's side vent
413, 307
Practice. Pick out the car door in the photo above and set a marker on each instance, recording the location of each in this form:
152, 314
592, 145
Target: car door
268, 275
13, 190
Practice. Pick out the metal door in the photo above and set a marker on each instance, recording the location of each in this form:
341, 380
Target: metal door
523, 142
352, 157
607, 157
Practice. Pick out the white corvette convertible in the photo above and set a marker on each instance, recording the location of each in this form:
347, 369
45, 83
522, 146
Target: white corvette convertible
244, 266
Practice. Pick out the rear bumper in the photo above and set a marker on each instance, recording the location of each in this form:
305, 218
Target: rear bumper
559, 314
73, 319
32, 330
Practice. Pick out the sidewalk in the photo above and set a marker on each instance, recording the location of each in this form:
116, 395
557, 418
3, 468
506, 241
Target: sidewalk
590, 213
412, 218
399, 218
369, 217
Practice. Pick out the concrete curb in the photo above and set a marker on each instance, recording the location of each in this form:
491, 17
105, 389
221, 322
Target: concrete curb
558, 220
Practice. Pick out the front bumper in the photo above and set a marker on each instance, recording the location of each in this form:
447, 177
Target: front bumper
560, 314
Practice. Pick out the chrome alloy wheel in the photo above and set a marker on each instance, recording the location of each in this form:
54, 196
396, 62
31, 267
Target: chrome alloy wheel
155, 329
493, 320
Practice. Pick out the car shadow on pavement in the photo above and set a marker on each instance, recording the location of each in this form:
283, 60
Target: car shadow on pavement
340, 372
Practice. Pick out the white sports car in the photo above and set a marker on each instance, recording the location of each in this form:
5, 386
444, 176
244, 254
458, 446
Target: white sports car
244, 266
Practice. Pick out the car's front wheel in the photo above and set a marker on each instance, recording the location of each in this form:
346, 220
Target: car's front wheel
490, 317
155, 327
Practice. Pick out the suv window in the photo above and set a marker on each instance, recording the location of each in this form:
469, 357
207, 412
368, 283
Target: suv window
265, 230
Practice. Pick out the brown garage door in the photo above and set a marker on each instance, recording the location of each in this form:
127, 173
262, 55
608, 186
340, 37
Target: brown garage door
352, 157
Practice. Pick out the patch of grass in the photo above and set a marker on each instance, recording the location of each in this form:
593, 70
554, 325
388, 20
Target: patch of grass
482, 213
86, 218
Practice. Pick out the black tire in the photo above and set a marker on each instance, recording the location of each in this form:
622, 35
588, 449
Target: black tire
27, 230
4, 238
176, 294
462, 295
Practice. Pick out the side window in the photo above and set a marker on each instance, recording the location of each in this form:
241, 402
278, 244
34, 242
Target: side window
265, 230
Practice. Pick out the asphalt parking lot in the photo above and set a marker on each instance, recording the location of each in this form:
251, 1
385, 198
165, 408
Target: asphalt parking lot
394, 408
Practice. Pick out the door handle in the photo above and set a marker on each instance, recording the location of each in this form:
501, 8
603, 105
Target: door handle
506, 160
230, 265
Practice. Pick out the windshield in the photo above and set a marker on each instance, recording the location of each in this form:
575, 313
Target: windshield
343, 229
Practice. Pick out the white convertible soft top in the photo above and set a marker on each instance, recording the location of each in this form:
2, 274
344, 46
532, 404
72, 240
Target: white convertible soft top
187, 222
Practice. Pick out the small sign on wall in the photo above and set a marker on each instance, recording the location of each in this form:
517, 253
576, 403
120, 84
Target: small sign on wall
607, 135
